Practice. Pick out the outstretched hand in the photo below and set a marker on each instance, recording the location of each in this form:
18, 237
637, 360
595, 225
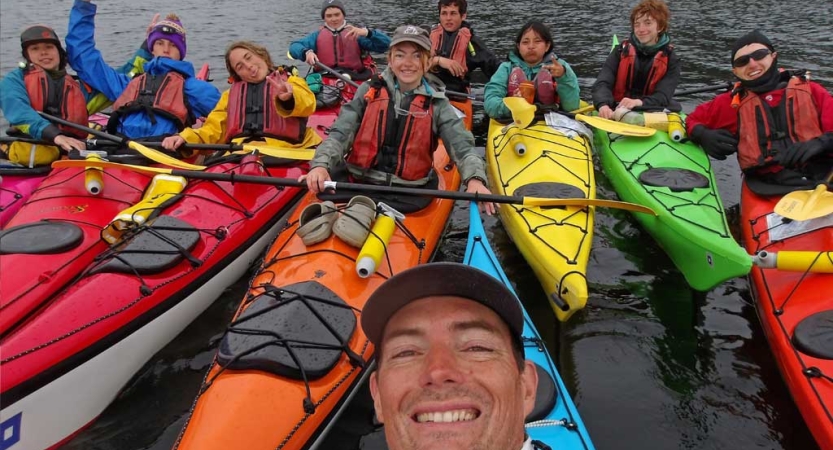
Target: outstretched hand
283, 89
315, 179
556, 69
311, 58
67, 143
355, 32
172, 143
475, 186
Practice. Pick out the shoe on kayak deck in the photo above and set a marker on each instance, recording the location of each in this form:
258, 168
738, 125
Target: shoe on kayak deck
353, 225
316, 222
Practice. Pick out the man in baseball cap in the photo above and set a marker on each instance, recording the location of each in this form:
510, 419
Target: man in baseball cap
451, 368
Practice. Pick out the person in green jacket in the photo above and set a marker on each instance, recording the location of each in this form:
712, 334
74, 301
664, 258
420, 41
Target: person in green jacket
532, 59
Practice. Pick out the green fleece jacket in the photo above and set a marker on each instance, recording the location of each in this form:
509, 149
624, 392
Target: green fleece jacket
496, 88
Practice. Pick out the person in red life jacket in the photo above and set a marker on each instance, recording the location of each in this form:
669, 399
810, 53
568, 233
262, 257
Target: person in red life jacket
456, 50
162, 101
43, 84
265, 103
644, 70
390, 129
340, 45
556, 85
779, 122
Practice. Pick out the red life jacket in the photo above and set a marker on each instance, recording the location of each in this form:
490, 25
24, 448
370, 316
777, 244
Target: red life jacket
252, 113
545, 85
62, 98
164, 95
402, 146
457, 50
627, 70
338, 52
763, 130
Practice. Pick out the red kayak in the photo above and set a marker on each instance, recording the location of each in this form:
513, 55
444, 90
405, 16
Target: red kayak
80, 317
796, 307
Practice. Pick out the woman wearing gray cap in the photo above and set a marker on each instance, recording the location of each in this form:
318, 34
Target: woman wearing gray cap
391, 128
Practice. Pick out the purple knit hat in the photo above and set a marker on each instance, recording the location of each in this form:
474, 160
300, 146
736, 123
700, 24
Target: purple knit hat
169, 28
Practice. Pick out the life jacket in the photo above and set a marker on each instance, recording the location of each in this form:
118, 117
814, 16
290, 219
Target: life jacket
252, 113
627, 70
764, 130
403, 146
459, 44
338, 52
58, 97
545, 85
154, 94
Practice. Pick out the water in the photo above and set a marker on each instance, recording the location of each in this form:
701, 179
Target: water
650, 363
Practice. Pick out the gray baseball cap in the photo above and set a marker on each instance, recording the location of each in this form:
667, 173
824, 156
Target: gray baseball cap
411, 33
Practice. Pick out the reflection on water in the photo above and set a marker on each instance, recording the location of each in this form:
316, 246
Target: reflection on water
650, 363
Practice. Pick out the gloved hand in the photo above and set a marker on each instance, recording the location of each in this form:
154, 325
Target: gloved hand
801, 152
717, 143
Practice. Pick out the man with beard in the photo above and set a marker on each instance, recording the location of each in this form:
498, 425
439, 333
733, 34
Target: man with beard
451, 370
779, 122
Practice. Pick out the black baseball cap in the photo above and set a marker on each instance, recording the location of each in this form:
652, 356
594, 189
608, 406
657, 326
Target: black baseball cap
440, 279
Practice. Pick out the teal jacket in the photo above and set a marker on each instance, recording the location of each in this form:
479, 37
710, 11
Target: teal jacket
496, 88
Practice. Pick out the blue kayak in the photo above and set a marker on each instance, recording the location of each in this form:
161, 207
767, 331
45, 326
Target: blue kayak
554, 421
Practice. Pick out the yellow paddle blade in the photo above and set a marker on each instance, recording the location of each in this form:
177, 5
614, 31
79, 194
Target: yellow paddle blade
583, 109
65, 163
522, 112
612, 126
806, 205
161, 158
534, 201
302, 154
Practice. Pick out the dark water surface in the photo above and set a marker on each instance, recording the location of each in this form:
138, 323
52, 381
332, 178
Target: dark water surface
651, 364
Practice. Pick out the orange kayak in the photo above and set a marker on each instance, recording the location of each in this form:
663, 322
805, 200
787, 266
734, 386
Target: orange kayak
295, 351
795, 306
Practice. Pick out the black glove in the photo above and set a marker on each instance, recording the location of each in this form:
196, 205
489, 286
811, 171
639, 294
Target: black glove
801, 152
717, 143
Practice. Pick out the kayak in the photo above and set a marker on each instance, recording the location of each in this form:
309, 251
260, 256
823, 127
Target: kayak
325, 114
283, 373
676, 180
795, 307
16, 185
554, 420
544, 161
80, 317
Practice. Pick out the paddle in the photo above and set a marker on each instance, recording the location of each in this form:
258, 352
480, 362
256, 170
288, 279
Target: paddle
148, 153
795, 261
719, 87
806, 205
523, 114
451, 195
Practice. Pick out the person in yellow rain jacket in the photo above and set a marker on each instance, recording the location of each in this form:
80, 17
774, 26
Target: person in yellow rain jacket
265, 103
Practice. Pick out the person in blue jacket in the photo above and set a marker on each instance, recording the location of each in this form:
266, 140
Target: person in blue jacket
340, 45
42, 84
533, 59
164, 100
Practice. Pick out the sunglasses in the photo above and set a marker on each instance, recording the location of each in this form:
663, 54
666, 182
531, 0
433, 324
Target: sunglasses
757, 55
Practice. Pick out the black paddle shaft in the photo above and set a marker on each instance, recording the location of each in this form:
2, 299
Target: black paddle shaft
720, 87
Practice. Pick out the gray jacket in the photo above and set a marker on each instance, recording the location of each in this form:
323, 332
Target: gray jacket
458, 141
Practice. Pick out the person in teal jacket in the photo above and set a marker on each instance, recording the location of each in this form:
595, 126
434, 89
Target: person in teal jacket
533, 54
44, 54
139, 118
344, 43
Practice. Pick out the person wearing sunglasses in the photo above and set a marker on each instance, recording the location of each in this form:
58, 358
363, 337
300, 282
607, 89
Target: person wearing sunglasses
778, 121
390, 129
644, 70
162, 101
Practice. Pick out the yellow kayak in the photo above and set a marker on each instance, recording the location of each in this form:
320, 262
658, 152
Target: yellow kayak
544, 161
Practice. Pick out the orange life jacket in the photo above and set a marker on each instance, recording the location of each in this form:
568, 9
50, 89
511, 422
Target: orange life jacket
402, 146
252, 113
627, 70
459, 46
58, 97
545, 85
338, 52
155, 94
764, 130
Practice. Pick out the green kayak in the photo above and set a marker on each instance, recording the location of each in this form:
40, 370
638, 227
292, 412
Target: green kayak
676, 180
